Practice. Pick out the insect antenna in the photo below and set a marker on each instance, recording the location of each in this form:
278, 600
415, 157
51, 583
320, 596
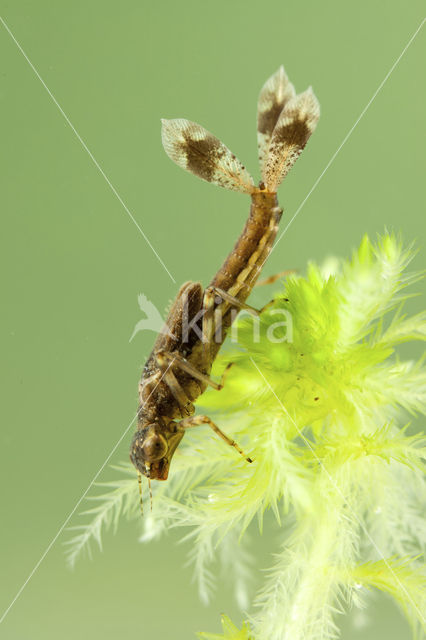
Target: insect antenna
140, 492
148, 475
150, 492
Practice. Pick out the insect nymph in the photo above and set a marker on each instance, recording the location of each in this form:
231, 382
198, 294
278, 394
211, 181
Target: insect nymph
178, 369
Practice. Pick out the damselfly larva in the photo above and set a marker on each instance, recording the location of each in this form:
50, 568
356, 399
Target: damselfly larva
178, 370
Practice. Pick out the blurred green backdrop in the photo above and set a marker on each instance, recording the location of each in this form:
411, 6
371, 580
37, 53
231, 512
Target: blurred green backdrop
73, 262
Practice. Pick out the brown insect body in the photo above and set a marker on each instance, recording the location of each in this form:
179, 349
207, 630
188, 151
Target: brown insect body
238, 274
177, 371
159, 408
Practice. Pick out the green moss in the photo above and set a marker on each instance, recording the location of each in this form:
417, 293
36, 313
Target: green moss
324, 416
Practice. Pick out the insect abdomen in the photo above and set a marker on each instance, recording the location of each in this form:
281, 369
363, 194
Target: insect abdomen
241, 268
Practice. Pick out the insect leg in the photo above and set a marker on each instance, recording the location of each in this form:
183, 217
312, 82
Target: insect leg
275, 277
224, 295
147, 386
178, 361
208, 325
196, 421
241, 305
169, 378
215, 296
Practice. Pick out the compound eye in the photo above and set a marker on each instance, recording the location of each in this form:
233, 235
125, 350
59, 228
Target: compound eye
155, 448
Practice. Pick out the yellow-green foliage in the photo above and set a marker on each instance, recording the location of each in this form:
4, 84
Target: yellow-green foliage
324, 416
230, 632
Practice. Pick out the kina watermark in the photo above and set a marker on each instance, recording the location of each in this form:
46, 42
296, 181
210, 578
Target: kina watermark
221, 323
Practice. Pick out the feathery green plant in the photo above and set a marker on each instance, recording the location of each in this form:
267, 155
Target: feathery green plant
317, 400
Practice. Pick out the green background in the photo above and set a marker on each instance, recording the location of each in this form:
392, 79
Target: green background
73, 262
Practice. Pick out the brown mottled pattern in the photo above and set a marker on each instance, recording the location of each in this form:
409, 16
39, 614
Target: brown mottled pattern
296, 123
197, 150
274, 95
202, 156
267, 119
292, 134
